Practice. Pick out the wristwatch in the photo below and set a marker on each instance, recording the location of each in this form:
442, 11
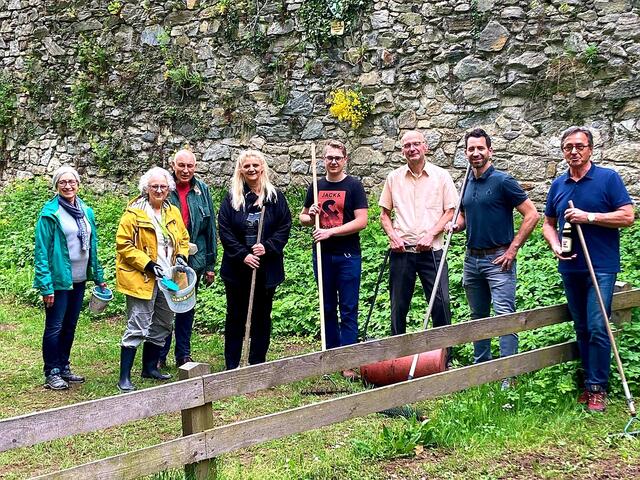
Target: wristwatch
591, 217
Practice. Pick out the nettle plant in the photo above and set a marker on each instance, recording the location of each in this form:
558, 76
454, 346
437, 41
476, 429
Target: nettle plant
349, 105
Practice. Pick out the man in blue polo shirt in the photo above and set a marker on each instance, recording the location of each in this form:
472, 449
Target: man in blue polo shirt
602, 205
489, 275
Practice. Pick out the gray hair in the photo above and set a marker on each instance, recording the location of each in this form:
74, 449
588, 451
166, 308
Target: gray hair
61, 171
143, 185
575, 129
183, 153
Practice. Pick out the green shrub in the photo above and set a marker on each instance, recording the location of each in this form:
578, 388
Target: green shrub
295, 310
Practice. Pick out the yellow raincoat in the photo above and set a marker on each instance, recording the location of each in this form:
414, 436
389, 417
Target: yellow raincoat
136, 246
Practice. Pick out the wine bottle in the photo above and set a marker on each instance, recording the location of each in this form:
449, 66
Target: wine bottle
567, 240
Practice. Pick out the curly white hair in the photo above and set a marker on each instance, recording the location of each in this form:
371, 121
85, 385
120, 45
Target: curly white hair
143, 184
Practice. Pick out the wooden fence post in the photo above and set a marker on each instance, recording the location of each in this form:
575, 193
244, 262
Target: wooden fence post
619, 317
196, 420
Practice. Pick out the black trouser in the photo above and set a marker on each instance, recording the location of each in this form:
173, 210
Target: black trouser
182, 330
403, 268
237, 307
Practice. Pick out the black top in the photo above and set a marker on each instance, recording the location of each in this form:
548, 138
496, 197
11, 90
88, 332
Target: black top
338, 202
233, 230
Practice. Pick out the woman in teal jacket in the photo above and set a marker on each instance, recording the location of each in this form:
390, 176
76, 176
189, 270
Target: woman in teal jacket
65, 258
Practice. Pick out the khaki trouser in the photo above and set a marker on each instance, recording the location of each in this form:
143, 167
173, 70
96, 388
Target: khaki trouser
148, 320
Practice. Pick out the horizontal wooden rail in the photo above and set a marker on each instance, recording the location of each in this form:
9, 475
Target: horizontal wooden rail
93, 415
228, 438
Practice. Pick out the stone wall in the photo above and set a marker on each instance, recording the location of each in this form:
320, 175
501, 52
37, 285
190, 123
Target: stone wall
114, 87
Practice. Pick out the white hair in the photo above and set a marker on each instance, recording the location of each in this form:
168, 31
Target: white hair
143, 185
183, 153
61, 171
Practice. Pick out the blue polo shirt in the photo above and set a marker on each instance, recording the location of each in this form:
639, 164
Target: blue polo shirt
600, 191
488, 204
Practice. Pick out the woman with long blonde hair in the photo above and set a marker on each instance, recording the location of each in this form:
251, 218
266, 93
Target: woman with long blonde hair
238, 221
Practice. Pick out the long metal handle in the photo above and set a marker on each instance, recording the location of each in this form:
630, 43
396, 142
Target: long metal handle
443, 259
605, 315
323, 335
375, 293
247, 325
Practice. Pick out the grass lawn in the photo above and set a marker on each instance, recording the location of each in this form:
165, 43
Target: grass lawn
482, 433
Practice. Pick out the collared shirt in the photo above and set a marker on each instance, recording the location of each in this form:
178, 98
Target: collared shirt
488, 204
600, 191
418, 201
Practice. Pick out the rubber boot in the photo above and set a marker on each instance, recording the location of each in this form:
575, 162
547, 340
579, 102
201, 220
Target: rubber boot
150, 357
127, 356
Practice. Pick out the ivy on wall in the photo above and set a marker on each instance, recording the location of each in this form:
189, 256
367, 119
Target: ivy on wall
315, 16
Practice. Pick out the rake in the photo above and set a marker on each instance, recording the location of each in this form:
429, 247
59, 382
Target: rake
633, 425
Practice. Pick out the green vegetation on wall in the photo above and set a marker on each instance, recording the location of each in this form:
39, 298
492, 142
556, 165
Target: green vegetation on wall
315, 16
7, 106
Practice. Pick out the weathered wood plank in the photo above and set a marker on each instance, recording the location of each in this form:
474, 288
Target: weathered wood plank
270, 427
146, 461
107, 412
620, 316
93, 415
277, 425
196, 420
291, 369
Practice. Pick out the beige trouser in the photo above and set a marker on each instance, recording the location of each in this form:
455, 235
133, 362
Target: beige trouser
148, 320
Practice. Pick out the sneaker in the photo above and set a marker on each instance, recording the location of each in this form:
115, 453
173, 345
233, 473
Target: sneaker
54, 381
597, 402
71, 377
584, 397
351, 375
183, 360
507, 383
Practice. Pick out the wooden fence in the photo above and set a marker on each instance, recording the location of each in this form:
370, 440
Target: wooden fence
193, 394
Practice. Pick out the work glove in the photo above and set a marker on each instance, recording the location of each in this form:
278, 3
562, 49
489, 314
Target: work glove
154, 269
181, 263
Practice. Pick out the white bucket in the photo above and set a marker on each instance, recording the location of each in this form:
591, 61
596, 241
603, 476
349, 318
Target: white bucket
182, 300
100, 297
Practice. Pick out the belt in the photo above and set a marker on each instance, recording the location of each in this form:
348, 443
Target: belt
483, 252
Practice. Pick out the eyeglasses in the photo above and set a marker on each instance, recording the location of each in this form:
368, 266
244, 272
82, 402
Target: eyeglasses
578, 146
408, 145
64, 183
159, 188
331, 159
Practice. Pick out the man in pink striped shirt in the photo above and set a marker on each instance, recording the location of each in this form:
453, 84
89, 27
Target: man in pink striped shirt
417, 200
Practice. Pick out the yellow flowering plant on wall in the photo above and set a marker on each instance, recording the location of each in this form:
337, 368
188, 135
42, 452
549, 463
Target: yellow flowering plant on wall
349, 105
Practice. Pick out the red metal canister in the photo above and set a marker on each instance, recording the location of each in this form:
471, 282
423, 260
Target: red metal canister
396, 370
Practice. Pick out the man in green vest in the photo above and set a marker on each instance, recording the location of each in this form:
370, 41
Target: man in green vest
193, 199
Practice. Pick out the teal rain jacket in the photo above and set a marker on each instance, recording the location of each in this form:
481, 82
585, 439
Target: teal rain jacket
52, 263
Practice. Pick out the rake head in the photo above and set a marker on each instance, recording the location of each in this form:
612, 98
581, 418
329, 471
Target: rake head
631, 430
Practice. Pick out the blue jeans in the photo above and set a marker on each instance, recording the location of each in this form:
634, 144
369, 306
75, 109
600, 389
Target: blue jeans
591, 332
486, 284
60, 327
341, 288
183, 330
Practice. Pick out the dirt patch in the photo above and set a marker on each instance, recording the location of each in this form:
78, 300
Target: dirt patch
7, 327
553, 463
